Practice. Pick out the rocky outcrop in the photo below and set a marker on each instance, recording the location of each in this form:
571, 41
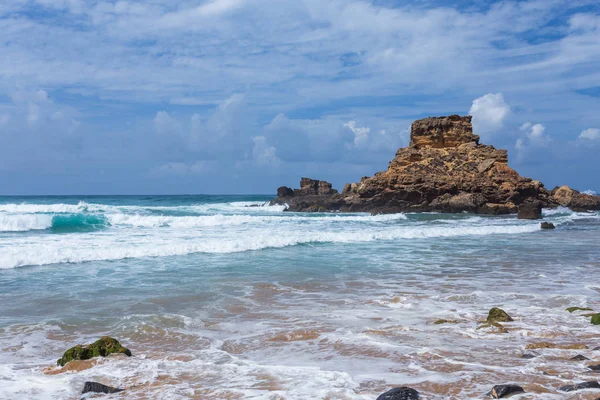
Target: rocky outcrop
444, 169
567, 197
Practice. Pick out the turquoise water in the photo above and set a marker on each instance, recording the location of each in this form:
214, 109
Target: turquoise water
225, 297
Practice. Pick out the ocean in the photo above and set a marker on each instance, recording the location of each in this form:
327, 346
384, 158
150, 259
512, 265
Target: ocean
225, 297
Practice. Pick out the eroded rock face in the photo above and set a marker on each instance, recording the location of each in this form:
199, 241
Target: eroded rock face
444, 169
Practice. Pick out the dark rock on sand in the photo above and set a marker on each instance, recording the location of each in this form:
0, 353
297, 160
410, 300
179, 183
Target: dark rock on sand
444, 169
548, 225
95, 387
580, 386
595, 367
502, 391
100, 348
529, 356
530, 210
498, 315
595, 319
579, 357
401, 393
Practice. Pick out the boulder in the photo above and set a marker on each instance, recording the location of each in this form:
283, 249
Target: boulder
95, 387
284, 192
547, 225
580, 386
530, 210
100, 348
498, 315
401, 393
502, 391
594, 367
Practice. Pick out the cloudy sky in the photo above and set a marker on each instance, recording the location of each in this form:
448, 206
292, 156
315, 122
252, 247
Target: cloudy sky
242, 96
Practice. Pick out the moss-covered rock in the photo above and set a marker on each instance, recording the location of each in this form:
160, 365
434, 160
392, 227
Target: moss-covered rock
573, 309
100, 348
498, 315
595, 319
445, 321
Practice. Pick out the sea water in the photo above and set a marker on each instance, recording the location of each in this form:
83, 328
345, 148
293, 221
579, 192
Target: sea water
225, 297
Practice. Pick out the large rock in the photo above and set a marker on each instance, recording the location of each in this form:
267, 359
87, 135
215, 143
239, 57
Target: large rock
530, 210
444, 169
401, 393
100, 348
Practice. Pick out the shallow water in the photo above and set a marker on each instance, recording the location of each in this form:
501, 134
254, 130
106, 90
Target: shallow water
218, 300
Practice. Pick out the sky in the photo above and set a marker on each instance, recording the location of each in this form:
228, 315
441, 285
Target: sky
243, 96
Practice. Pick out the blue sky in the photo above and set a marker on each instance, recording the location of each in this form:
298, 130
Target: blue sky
242, 96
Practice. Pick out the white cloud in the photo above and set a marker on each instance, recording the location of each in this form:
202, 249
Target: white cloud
489, 112
533, 137
164, 124
264, 154
361, 135
590, 134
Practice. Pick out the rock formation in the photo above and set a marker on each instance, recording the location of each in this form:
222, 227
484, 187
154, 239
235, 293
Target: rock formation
444, 169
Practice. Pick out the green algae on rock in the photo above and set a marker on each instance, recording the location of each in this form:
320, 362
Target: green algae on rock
573, 309
595, 319
498, 315
445, 321
100, 348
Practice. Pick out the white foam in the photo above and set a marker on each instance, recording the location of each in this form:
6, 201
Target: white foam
24, 222
26, 208
99, 246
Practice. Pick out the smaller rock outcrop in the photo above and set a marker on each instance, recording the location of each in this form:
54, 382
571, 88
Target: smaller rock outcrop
285, 191
594, 367
502, 391
498, 315
548, 225
100, 348
530, 210
580, 386
401, 393
95, 387
575, 200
